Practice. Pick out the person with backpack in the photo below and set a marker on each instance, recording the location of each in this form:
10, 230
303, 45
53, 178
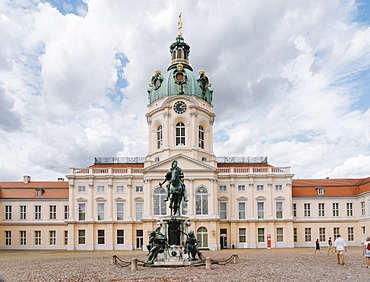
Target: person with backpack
366, 252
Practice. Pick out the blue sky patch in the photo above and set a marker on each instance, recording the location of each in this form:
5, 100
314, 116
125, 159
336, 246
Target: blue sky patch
77, 7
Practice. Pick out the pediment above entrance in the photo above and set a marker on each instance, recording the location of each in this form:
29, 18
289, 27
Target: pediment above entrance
186, 163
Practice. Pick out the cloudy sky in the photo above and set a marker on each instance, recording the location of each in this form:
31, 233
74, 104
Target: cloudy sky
291, 80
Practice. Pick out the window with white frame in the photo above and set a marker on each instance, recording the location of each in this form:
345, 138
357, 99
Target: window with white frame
261, 235
222, 188
321, 209
362, 205
279, 210
159, 137
223, 210
120, 189
37, 209
65, 237
81, 189
336, 232
22, 212
242, 210
295, 235
241, 188
307, 209
201, 201
322, 234
66, 211
8, 238
159, 204
22, 238
242, 235
351, 236
120, 208
320, 190
81, 237
53, 212
307, 234
101, 237
101, 211
37, 237
202, 237
335, 209
139, 211
184, 207
349, 209
180, 134
201, 137
7, 212
260, 210
100, 189
81, 211
120, 236
260, 188
278, 187
279, 235
52, 237
294, 209
139, 189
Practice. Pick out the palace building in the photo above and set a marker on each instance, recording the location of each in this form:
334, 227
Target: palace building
233, 202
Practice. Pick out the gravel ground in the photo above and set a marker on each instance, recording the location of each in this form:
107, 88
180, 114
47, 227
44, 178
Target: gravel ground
299, 264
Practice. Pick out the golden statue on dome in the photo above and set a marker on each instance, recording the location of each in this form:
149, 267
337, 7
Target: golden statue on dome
179, 25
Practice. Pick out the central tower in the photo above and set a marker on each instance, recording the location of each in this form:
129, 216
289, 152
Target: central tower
180, 113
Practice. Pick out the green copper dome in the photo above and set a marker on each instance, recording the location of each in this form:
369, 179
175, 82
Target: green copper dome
179, 79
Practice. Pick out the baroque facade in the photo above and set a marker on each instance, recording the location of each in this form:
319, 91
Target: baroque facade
234, 202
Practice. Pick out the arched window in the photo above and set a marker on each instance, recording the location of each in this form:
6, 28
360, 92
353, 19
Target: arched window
180, 134
201, 137
201, 201
202, 237
158, 201
159, 137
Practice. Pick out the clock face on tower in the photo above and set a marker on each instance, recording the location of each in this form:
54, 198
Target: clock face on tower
179, 107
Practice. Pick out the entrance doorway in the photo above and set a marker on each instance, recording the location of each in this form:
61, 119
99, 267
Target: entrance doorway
139, 239
223, 238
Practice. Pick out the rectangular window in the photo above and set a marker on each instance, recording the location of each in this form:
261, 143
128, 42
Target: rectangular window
65, 237
222, 188
242, 210
8, 238
22, 238
321, 207
8, 212
295, 235
322, 234
81, 189
100, 189
101, 237
335, 209
81, 237
336, 232
120, 237
120, 211
81, 211
37, 211
22, 212
120, 189
139, 211
37, 237
279, 187
260, 210
307, 234
242, 235
279, 209
349, 209
52, 212
223, 210
362, 208
259, 187
139, 189
279, 235
351, 236
241, 188
320, 190
307, 209
294, 209
52, 237
261, 235
101, 211
66, 211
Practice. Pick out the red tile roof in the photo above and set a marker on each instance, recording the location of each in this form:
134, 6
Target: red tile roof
51, 189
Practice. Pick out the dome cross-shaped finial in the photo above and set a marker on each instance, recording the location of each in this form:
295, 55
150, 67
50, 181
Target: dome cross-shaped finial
179, 25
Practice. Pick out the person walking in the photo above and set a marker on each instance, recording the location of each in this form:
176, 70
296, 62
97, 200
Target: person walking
330, 246
366, 252
340, 248
317, 247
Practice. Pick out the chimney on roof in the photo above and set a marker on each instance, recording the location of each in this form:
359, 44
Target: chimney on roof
60, 179
26, 178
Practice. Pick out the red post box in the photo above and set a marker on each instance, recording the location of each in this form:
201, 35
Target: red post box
268, 241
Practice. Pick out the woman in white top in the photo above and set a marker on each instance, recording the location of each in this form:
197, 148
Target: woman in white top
366, 252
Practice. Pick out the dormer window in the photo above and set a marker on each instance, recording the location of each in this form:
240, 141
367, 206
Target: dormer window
39, 192
320, 190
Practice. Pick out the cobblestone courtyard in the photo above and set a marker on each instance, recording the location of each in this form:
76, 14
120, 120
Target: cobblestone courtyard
299, 264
